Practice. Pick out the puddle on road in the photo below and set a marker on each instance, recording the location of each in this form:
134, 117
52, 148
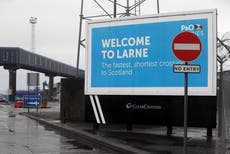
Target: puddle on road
70, 138
78, 145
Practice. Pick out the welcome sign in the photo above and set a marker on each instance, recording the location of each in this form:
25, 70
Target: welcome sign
133, 56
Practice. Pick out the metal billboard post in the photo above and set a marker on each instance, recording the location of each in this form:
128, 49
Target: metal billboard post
79, 38
94, 109
97, 109
158, 7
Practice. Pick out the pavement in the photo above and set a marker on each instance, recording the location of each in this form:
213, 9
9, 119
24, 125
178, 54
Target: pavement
143, 139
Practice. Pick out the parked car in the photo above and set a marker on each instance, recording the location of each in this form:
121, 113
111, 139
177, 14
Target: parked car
2, 98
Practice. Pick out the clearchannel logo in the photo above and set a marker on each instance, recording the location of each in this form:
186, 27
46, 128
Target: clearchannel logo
144, 106
194, 28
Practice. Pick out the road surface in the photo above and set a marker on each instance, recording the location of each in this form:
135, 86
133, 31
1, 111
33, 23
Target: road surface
21, 135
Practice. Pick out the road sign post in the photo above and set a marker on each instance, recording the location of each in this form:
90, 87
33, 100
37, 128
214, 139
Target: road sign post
186, 47
185, 109
33, 80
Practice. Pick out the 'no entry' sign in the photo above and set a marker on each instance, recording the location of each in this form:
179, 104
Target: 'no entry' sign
186, 46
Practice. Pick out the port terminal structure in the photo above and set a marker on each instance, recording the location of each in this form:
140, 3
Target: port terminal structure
14, 58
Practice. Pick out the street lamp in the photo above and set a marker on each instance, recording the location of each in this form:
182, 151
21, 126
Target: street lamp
33, 21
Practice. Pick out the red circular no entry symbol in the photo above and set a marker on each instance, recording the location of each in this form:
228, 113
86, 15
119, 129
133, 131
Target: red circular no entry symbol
186, 46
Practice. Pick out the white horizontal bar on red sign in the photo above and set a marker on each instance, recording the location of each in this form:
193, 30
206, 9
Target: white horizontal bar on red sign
186, 46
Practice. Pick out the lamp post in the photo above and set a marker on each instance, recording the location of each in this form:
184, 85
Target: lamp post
33, 21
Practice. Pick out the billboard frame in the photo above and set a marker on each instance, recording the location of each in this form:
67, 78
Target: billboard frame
210, 90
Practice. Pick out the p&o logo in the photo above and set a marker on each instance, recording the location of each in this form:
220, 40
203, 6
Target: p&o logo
194, 28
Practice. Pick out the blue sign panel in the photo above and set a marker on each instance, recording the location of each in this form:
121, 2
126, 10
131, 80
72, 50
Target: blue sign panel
32, 101
139, 55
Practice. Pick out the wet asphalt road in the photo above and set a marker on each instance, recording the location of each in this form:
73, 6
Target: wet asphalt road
21, 135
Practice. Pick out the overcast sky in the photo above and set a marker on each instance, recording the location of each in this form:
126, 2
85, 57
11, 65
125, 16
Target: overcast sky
58, 22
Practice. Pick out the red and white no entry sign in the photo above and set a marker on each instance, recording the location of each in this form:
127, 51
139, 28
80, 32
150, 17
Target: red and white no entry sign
186, 46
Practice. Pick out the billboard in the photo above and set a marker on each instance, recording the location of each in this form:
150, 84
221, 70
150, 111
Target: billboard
133, 56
